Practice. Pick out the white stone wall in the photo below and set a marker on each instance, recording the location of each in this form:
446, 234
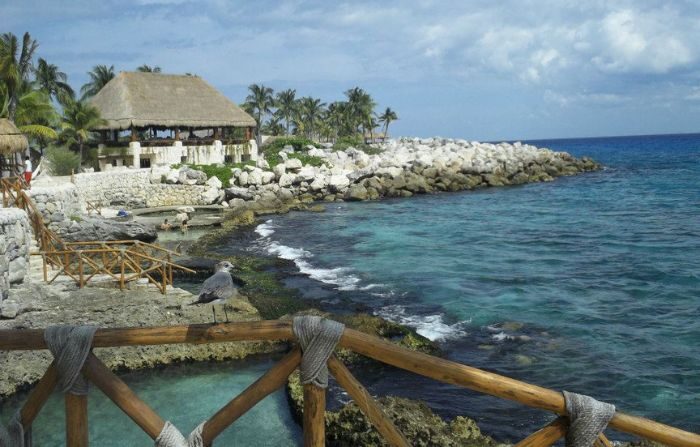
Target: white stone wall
57, 202
136, 188
175, 154
15, 237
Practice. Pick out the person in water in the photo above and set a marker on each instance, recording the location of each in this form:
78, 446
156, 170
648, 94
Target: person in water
165, 226
184, 227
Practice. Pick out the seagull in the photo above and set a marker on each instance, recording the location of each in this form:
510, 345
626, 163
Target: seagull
218, 288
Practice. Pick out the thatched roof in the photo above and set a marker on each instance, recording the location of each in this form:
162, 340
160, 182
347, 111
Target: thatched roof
11, 139
160, 100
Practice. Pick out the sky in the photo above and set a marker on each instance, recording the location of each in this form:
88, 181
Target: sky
474, 69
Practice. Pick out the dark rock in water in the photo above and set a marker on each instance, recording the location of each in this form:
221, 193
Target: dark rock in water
98, 229
356, 193
421, 427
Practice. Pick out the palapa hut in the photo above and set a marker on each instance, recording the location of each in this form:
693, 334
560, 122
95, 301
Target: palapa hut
12, 144
170, 119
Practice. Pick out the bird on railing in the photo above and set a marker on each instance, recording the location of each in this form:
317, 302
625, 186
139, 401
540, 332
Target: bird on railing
218, 288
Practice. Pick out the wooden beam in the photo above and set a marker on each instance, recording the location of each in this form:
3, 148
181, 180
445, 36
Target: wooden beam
123, 397
367, 404
24, 339
314, 416
268, 383
76, 420
547, 435
38, 396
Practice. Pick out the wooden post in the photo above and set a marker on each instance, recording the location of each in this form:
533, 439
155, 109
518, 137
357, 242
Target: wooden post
133, 133
177, 134
247, 133
123, 397
164, 276
239, 405
80, 269
369, 406
314, 416
76, 420
121, 270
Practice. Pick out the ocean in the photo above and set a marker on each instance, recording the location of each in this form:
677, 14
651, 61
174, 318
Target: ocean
589, 283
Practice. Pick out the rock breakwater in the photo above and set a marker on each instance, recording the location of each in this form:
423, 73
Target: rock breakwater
401, 168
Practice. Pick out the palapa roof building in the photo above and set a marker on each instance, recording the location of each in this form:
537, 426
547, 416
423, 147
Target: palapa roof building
11, 139
165, 101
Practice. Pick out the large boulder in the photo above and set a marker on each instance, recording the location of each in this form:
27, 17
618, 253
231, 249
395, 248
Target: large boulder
293, 164
189, 176
214, 182
356, 192
99, 229
238, 193
286, 180
338, 182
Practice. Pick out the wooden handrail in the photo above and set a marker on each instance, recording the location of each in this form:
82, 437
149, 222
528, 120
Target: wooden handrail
370, 346
501, 386
265, 330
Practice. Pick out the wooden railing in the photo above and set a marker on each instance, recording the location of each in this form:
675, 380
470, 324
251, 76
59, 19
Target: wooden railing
123, 261
314, 397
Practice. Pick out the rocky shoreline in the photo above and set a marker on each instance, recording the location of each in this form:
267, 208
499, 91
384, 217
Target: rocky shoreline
399, 168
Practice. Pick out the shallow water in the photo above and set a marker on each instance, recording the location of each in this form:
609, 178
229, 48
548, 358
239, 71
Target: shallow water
183, 394
589, 283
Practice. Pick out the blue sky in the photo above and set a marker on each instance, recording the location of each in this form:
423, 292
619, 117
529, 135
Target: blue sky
488, 70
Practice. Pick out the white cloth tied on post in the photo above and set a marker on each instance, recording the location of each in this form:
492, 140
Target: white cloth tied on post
318, 338
587, 419
170, 436
70, 346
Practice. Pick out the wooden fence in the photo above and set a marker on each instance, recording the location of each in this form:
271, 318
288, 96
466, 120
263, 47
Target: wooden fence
314, 397
123, 261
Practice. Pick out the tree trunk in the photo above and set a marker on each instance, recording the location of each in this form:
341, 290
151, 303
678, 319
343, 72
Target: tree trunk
80, 151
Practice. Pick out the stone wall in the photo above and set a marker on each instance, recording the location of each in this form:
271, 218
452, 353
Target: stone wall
15, 237
56, 202
137, 188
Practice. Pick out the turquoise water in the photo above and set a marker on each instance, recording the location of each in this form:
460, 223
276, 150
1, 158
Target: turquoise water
589, 283
183, 394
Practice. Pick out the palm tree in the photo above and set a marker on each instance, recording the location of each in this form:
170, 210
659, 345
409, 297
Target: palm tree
285, 103
273, 126
310, 112
77, 121
14, 69
52, 81
260, 102
99, 77
148, 69
360, 106
387, 117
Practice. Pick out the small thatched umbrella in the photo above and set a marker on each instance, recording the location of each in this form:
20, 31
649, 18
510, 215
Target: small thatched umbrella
11, 139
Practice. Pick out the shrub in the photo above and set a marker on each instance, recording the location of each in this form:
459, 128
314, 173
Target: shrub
62, 161
298, 143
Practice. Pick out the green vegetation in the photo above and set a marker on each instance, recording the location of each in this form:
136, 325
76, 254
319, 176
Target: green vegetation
311, 118
99, 77
62, 161
271, 151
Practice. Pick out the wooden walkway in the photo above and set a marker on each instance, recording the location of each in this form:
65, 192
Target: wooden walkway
121, 261
314, 397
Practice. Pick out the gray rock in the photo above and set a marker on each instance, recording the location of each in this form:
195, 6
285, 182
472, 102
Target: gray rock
238, 193
9, 309
356, 192
99, 229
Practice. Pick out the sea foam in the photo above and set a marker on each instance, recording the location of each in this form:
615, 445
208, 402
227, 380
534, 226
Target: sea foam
432, 327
